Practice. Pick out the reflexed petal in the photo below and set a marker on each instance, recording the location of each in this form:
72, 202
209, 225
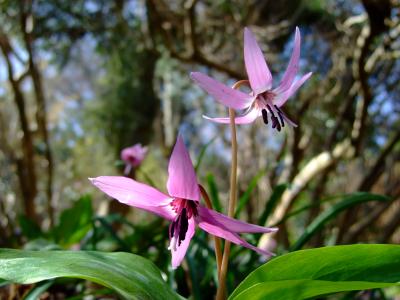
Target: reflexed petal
224, 94
259, 75
133, 193
217, 218
281, 99
179, 253
223, 232
288, 120
182, 181
293, 65
245, 119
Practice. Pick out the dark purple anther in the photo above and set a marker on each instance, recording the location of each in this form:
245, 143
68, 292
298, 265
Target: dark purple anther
264, 116
280, 115
184, 224
270, 111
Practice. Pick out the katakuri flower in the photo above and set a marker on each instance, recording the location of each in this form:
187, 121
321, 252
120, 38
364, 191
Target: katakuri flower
263, 100
181, 206
133, 156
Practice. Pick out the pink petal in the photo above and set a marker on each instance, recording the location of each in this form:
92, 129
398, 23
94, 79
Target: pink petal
281, 99
179, 253
259, 75
133, 193
245, 119
226, 95
234, 225
216, 229
182, 181
293, 65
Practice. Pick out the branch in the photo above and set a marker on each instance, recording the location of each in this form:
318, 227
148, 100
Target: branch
162, 22
27, 174
41, 113
308, 172
374, 173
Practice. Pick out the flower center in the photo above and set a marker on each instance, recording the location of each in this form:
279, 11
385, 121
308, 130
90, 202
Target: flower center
134, 161
185, 209
264, 101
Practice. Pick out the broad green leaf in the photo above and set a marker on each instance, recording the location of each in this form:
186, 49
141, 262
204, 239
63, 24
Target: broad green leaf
332, 212
75, 222
246, 195
308, 273
304, 289
132, 276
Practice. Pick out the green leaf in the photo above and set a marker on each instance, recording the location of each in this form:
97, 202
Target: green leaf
3, 282
213, 190
41, 244
309, 273
75, 222
38, 290
271, 203
246, 196
304, 289
307, 207
332, 212
29, 228
132, 276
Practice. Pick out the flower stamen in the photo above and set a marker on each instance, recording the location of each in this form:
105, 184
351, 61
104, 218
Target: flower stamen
185, 210
280, 115
274, 119
264, 116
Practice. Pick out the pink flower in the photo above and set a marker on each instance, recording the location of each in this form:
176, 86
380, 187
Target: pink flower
263, 100
133, 156
181, 206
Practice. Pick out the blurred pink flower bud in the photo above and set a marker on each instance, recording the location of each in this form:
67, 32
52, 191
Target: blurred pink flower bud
133, 156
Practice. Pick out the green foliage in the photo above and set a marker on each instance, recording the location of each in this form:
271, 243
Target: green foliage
333, 211
244, 199
29, 228
213, 190
132, 276
128, 104
38, 290
75, 222
309, 273
272, 202
304, 289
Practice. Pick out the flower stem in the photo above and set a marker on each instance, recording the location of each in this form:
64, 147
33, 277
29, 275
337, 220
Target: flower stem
232, 198
217, 241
